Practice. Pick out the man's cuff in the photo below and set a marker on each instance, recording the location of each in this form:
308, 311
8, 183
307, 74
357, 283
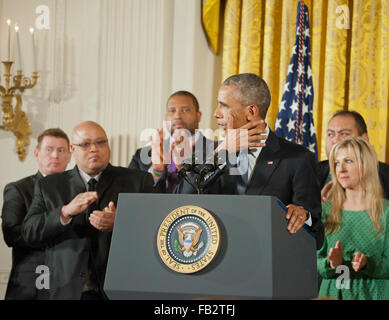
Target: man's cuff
65, 223
309, 219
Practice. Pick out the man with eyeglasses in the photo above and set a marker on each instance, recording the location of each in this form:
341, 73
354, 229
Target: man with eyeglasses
73, 214
52, 155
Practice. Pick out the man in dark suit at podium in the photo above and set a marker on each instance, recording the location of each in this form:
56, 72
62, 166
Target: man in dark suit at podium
52, 155
346, 124
73, 213
266, 164
162, 158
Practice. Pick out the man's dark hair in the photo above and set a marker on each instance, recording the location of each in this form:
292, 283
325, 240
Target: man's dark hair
53, 132
186, 94
359, 121
253, 90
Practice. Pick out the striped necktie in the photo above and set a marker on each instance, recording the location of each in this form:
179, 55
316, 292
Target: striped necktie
244, 166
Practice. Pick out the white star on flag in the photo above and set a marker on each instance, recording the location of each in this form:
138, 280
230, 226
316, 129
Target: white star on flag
290, 124
286, 87
290, 68
282, 105
297, 88
309, 73
278, 124
294, 106
307, 91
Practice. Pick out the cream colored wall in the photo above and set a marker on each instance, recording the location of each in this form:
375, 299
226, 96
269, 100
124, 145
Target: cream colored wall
114, 62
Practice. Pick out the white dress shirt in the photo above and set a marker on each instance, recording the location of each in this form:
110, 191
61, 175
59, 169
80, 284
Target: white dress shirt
85, 178
253, 154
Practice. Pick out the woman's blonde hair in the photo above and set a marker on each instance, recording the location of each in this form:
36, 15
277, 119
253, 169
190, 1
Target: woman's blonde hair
371, 187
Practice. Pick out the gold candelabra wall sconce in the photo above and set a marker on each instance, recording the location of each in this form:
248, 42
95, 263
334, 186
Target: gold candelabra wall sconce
14, 118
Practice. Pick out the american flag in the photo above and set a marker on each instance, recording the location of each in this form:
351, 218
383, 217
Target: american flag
294, 121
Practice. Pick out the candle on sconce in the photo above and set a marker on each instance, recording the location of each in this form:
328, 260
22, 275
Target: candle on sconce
33, 50
18, 60
9, 39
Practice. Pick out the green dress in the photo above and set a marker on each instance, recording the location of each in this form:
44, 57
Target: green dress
356, 234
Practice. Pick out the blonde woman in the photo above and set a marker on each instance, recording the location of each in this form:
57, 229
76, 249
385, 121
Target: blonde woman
356, 223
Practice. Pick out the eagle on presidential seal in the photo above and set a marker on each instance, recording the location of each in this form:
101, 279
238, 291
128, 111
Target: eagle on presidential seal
189, 235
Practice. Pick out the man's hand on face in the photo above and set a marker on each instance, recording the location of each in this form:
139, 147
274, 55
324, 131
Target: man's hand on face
103, 220
78, 205
247, 136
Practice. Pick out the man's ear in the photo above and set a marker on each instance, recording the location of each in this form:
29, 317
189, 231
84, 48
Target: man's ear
365, 136
198, 116
252, 111
36, 151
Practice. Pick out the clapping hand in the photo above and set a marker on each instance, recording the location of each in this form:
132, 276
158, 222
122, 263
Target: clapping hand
359, 261
78, 205
103, 220
335, 256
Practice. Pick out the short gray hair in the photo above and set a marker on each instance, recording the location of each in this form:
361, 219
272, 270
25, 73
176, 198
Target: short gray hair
252, 89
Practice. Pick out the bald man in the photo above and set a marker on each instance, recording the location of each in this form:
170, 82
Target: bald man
73, 214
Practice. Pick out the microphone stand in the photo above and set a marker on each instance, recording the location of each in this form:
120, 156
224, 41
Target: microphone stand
183, 173
211, 166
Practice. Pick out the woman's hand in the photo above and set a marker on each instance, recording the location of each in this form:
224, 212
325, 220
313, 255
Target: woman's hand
335, 256
359, 261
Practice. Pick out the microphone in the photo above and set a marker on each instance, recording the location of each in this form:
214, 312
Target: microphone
188, 165
185, 167
211, 164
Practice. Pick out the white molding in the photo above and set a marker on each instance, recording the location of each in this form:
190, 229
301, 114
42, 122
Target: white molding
4, 275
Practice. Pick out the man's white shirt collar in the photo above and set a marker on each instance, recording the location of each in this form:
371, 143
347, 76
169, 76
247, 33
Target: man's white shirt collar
85, 177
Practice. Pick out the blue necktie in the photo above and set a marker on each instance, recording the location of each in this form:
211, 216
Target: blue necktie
243, 168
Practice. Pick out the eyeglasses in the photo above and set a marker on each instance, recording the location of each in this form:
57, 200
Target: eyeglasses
88, 145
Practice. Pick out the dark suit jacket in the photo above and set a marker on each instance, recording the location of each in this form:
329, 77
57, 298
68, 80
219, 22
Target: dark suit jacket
323, 169
284, 170
202, 148
16, 202
71, 247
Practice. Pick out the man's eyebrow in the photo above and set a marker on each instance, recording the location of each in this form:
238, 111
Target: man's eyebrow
341, 130
181, 106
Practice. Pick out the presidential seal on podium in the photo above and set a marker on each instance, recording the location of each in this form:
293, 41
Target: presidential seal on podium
188, 239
